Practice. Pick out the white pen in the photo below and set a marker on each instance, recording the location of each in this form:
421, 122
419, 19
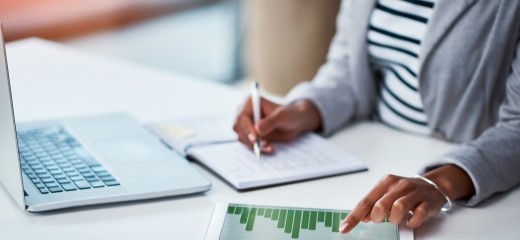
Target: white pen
255, 99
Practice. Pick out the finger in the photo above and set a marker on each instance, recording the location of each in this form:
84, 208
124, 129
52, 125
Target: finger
360, 212
245, 140
381, 209
420, 214
383, 206
363, 208
267, 147
402, 206
245, 130
366, 219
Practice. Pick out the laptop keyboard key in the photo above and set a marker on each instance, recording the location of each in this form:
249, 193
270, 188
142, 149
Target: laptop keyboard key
32, 175
55, 189
103, 174
37, 170
107, 178
55, 172
97, 184
84, 171
72, 174
63, 181
69, 169
91, 179
111, 183
44, 175
60, 176
47, 180
88, 175
52, 184
43, 190
76, 178
68, 187
82, 184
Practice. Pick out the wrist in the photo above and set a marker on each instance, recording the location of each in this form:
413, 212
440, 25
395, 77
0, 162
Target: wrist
310, 114
452, 180
447, 206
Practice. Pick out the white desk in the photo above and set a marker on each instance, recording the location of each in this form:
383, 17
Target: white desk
51, 81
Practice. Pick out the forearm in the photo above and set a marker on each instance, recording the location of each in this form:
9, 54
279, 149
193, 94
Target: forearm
491, 162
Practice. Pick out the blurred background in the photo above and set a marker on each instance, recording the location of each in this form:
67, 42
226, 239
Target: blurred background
277, 42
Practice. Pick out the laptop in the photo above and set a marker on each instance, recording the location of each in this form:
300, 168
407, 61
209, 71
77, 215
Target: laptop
86, 160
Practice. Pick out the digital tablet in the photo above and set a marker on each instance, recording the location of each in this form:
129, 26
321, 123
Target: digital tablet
233, 221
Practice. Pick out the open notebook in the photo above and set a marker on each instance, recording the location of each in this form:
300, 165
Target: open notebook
211, 141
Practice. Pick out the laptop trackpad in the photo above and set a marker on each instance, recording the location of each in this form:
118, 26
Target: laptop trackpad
132, 150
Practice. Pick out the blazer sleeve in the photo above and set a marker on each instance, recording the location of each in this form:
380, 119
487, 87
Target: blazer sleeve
330, 91
493, 159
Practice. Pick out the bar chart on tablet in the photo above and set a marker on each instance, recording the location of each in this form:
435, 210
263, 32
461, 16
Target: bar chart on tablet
267, 222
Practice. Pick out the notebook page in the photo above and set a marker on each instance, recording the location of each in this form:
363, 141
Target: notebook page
308, 157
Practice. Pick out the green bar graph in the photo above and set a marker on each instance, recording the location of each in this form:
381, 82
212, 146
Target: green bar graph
238, 210
344, 215
231, 209
335, 222
321, 216
260, 211
296, 225
268, 213
312, 220
251, 220
305, 220
328, 219
275, 214
290, 221
245, 213
281, 218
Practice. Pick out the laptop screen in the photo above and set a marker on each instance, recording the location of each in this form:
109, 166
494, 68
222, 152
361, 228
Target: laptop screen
10, 172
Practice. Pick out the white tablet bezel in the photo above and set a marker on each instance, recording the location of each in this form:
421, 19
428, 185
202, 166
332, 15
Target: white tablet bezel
219, 215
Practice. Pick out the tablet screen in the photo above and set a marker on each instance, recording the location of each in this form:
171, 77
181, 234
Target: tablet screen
267, 222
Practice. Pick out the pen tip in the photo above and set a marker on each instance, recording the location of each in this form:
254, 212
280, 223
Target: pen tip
256, 149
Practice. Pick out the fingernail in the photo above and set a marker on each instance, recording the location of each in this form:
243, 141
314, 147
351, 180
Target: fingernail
251, 137
268, 149
343, 227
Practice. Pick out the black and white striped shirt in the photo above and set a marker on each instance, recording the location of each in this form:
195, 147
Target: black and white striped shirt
396, 30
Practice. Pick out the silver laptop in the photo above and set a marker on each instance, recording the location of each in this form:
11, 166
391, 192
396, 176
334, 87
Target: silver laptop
87, 160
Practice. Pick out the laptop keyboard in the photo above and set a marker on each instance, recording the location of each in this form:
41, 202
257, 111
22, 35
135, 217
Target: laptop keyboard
56, 162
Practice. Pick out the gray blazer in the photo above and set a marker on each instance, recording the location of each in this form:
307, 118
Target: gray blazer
469, 83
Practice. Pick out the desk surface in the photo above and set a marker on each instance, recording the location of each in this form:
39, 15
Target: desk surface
51, 81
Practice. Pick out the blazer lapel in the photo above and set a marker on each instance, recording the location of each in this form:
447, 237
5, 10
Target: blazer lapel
359, 12
444, 16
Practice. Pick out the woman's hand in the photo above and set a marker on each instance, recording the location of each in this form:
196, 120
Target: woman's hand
394, 196
278, 124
